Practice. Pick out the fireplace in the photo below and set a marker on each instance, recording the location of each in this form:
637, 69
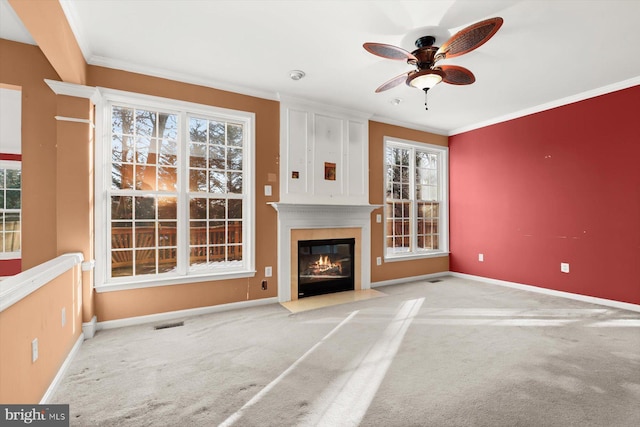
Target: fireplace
301, 222
325, 266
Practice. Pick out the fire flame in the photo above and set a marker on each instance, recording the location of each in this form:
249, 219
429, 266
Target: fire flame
324, 264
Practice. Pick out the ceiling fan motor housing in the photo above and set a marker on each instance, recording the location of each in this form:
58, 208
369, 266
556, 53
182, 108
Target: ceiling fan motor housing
425, 56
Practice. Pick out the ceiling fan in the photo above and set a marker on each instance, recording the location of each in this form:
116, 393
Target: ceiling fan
424, 58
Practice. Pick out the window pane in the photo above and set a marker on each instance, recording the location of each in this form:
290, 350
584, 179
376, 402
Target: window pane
235, 209
234, 253
234, 159
167, 207
217, 208
145, 261
145, 207
216, 157
234, 135
198, 130
197, 155
198, 233
11, 241
217, 182
167, 260
234, 232
217, 231
122, 120
168, 126
121, 207
198, 209
198, 180
121, 263
217, 133
235, 182
121, 233
13, 178
167, 179
145, 233
146, 123
167, 233
146, 178
12, 199
168, 152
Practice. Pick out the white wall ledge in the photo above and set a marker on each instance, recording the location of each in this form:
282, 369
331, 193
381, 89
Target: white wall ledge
15, 288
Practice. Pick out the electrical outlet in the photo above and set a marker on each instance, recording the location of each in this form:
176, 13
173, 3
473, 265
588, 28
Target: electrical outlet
34, 350
564, 267
64, 316
378, 218
481, 257
264, 285
268, 271
267, 190
379, 261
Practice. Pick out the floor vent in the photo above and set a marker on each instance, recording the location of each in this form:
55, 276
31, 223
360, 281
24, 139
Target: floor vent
435, 281
168, 325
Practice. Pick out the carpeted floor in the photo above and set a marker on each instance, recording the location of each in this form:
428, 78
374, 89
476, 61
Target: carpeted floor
452, 353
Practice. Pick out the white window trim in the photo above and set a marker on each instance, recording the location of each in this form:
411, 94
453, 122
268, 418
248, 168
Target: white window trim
443, 178
15, 165
102, 183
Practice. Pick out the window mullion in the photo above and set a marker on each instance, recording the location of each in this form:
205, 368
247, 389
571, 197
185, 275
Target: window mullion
183, 196
413, 203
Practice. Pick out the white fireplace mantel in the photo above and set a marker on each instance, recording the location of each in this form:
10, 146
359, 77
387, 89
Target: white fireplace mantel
293, 216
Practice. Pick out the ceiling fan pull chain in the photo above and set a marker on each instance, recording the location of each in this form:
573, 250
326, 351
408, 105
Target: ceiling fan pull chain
425, 98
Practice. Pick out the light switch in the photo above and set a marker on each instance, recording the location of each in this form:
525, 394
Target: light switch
267, 190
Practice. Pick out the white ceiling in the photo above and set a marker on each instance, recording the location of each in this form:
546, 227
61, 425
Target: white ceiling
548, 52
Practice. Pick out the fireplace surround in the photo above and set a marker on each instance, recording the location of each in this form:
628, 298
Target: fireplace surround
302, 222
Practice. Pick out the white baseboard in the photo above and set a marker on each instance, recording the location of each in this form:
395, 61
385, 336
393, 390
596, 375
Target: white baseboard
89, 328
409, 279
172, 315
63, 369
569, 295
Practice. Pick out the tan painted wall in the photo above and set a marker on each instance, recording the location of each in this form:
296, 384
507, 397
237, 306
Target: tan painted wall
396, 269
121, 304
48, 26
25, 66
39, 315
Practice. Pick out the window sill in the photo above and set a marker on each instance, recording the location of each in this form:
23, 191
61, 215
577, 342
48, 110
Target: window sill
411, 257
169, 281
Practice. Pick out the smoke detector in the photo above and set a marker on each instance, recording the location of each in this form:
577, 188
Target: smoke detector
296, 74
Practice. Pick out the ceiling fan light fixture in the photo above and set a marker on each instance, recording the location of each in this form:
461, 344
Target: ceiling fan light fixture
425, 79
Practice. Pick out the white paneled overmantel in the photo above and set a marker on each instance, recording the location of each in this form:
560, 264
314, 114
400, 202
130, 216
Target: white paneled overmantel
292, 216
324, 155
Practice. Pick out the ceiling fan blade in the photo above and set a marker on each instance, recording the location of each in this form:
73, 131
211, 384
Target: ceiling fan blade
456, 75
393, 82
388, 51
469, 38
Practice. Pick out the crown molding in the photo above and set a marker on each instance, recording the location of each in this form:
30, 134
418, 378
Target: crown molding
179, 77
625, 84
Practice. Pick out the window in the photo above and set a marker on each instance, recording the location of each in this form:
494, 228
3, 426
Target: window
178, 185
10, 195
415, 199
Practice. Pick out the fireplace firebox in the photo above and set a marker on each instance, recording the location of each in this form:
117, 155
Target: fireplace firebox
325, 266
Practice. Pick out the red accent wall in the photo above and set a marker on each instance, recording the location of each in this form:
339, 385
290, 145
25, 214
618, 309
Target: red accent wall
10, 267
561, 185
7, 156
